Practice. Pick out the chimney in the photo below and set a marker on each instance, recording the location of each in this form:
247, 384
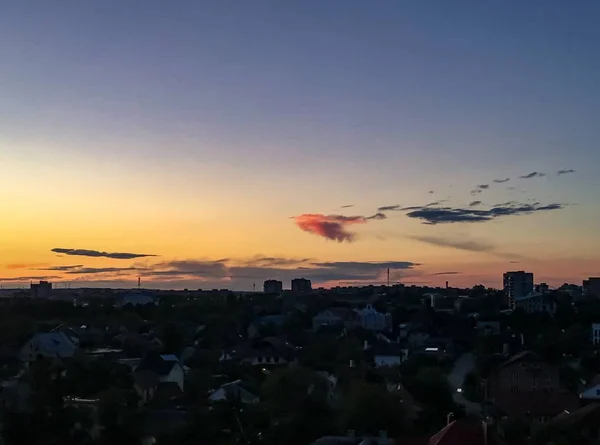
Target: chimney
366, 345
446, 285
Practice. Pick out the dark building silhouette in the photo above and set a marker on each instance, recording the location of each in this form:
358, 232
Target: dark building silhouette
272, 287
591, 287
41, 290
301, 285
517, 285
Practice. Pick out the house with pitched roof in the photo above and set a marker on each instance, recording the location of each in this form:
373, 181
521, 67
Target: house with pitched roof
54, 345
527, 386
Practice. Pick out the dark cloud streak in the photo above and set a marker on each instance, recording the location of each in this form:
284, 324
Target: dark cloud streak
97, 253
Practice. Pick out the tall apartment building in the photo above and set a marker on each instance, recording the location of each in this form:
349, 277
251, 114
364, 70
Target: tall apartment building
272, 287
301, 285
517, 285
41, 290
591, 287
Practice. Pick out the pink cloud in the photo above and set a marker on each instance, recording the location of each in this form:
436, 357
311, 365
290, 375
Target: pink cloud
333, 227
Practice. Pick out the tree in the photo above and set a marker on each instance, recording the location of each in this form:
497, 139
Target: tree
296, 400
369, 408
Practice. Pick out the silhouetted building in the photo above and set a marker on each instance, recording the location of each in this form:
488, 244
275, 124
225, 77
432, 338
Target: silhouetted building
273, 287
43, 289
301, 285
591, 287
517, 285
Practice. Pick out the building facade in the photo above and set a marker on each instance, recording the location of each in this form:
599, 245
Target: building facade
517, 285
272, 287
591, 287
371, 320
301, 285
43, 289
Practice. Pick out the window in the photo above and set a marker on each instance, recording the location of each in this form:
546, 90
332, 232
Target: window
259, 359
598, 392
514, 389
515, 375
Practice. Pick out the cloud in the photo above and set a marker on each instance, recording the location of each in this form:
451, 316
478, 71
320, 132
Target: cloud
501, 181
533, 175
445, 273
377, 215
347, 206
431, 192
388, 208
333, 227
443, 215
470, 245
564, 172
97, 253
264, 261
24, 265
29, 278
514, 262
60, 268
479, 188
474, 203
100, 270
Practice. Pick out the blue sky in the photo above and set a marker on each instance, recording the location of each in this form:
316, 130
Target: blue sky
208, 104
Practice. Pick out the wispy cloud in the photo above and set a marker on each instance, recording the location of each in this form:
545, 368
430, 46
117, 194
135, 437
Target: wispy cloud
501, 181
100, 270
461, 244
24, 265
445, 273
533, 175
389, 208
564, 172
443, 215
480, 188
60, 268
347, 206
97, 253
264, 261
431, 192
377, 215
28, 278
333, 227
474, 203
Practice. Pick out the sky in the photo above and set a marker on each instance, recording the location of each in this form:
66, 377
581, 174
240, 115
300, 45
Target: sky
202, 144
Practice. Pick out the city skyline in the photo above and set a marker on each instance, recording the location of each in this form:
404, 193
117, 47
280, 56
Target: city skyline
203, 145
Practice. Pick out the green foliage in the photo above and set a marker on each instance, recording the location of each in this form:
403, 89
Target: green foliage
369, 409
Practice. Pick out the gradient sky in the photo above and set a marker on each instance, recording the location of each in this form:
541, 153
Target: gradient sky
195, 130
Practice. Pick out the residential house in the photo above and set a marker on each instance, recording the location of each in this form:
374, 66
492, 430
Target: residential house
266, 321
577, 427
135, 299
372, 320
488, 327
386, 353
49, 345
591, 392
269, 351
234, 390
166, 367
537, 302
336, 316
528, 387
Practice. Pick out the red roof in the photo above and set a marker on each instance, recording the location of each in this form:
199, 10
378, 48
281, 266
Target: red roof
460, 432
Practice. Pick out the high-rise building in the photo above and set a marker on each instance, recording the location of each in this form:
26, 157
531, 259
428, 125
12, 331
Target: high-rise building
517, 285
301, 285
591, 287
41, 290
272, 287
